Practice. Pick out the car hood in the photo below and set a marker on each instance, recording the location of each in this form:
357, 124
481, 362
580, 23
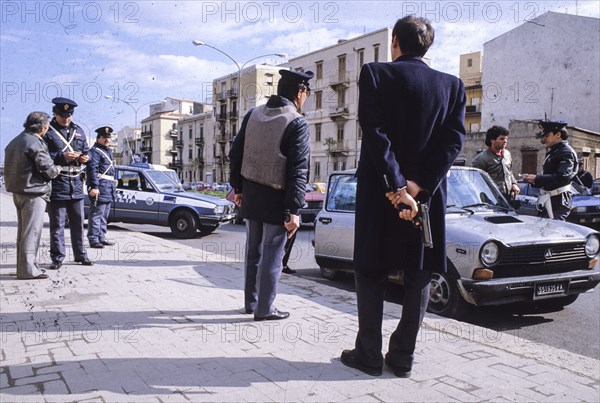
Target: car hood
510, 229
199, 196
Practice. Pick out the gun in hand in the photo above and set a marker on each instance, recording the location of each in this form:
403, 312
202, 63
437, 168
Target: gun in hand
421, 221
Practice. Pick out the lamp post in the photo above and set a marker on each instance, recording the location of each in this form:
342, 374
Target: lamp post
135, 111
239, 81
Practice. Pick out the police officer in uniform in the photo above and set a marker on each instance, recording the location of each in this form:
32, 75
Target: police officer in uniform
68, 148
560, 166
269, 170
101, 187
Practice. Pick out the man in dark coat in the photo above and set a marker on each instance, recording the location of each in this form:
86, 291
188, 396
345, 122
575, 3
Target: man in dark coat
269, 169
412, 118
101, 187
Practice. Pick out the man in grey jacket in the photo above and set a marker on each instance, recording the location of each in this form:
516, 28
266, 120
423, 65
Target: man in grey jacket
28, 170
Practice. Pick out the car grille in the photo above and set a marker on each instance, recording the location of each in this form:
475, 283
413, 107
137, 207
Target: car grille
541, 259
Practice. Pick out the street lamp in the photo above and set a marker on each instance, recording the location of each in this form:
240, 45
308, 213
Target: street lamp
239, 81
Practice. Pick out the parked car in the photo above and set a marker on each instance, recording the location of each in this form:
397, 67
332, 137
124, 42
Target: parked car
149, 196
585, 209
495, 256
313, 202
320, 187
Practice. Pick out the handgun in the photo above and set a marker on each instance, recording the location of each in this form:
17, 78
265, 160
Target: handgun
421, 221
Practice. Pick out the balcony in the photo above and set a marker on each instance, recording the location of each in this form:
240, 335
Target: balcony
173, 150
339, 112
221, 96
341, 148
232, 115
199, 161
174, 133
342, 79
473, 109
146, 149
179, 144
199, 141
146, 134
223, 138
175, 164
232, 93
222, 116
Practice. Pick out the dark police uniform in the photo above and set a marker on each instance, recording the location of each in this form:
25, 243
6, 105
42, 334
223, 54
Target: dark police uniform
100, 175
67, 194
560, 166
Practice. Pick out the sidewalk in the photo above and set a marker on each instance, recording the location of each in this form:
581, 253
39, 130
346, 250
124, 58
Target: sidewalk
155, 321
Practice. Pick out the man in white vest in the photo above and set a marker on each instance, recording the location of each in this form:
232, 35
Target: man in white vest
269, 161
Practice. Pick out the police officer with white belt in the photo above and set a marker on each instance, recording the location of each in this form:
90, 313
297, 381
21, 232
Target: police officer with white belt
101, 187
560, 166
68, 148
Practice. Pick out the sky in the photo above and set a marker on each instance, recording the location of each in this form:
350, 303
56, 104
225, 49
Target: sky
116, 57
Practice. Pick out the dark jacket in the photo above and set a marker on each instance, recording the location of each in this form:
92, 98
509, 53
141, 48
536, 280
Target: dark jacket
560, 166
412, 119
28, 167
68, 186
260, 202
101, 163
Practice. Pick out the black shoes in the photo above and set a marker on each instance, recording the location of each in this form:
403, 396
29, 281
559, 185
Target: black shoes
106, 242
249, 311
97, 245
275, 315
84, 261
55, 266
401, 371
350, 359
288, 270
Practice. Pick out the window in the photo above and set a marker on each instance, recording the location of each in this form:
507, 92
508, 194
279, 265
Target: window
474, 128
319, 70
358, 131
190, 133
376, 53
361, 57
190, 155
319, 100
342, 67
317, 170
341, 93
269, 79
340, 132
469, 62
174, 126
318, 132
529, 161
342, 195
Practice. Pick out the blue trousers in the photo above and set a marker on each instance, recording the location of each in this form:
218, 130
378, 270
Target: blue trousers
97, 222
58, 210
264, 252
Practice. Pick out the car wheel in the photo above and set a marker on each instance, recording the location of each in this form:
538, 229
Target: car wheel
184, 225
331, 274
445, 298
208, 229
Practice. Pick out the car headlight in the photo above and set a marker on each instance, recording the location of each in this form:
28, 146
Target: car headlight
592, 245
219, 209
489, 254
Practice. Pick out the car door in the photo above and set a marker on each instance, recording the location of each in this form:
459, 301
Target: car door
136, 200
334, 229
528, 199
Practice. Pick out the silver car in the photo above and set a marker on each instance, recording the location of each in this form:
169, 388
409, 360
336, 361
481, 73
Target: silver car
495, 256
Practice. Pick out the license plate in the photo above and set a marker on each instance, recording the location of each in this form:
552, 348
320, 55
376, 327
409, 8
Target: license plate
543, 289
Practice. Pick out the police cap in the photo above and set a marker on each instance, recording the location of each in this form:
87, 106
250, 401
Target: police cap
550, 127
296, 77
64, 106
104, 131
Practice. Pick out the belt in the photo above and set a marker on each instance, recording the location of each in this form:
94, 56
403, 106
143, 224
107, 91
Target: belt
107, 177
70, 170
545, 195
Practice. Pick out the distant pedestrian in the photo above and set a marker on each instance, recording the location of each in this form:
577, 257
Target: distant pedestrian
269, 170
101, 187
560, 167
584, 177
28, 170
412, 119
68, 147
497, 161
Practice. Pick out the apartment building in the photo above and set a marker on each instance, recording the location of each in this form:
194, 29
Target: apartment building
333, 105
160, 143
197, 146
233, 96
470, 71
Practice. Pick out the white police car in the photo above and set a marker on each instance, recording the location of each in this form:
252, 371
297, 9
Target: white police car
149, 196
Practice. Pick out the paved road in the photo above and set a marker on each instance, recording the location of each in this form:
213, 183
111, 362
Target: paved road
575, 328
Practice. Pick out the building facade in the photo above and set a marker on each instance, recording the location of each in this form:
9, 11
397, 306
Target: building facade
546, 67
470, 71
197, 146
332, 108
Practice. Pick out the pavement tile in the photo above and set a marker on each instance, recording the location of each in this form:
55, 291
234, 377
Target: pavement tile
29, 380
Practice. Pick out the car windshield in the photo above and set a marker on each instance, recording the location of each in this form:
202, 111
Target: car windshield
472, 188
162, 181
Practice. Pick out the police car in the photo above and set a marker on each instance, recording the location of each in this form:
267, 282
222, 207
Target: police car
149, 196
